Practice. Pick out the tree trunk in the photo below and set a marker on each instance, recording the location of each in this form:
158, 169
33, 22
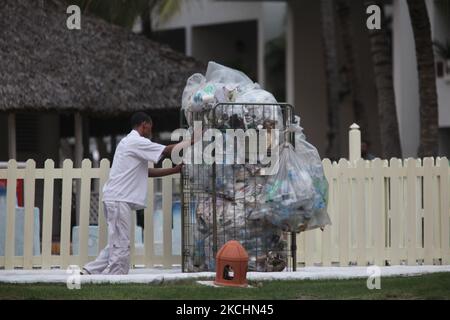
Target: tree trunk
382, 65
351, 67
328, 16
427, 78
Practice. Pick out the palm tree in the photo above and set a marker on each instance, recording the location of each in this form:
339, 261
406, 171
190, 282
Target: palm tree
382, 64
328, 17
427, 78
125, 13
119, 12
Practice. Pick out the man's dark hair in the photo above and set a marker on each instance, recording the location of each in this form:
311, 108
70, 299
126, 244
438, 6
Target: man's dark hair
138, 118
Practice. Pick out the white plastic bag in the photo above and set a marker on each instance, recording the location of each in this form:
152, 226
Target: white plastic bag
255, 115
193, 84
218, 73
309, 156
222, 84
289, 192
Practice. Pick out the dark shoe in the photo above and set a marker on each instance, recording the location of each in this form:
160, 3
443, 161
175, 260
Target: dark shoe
84, 272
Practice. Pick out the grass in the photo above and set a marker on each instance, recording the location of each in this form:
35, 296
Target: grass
432, 286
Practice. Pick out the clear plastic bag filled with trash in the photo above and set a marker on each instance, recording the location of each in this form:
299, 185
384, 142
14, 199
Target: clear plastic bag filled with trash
289, 192
310, 157
264, 243
222, 84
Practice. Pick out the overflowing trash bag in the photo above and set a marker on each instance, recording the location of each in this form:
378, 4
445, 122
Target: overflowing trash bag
309, 156
222, 84
290, 192
252, 207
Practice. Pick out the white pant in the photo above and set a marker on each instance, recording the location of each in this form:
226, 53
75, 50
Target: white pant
115, 257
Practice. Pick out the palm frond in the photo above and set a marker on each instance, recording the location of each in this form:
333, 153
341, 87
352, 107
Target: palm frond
168, 8
119, 12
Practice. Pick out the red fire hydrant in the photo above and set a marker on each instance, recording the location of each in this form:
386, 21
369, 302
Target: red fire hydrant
231, 265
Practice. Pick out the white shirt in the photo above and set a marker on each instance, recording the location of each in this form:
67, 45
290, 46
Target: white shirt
128, 177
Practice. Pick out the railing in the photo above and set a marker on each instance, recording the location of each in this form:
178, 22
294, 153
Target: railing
395, 212
67, 174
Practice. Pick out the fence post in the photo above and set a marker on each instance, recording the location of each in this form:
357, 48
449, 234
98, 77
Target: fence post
47, 215
10, 243
344, 207
411, 210
103, 228
443, 170
428, 206
83, 213
66, 209
354, 143
167, 216
148, 224
28, 243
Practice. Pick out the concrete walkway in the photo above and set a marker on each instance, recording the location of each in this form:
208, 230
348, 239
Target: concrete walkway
157, 276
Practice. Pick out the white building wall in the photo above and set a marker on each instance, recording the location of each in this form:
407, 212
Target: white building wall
406, 84
207, 12
269, 16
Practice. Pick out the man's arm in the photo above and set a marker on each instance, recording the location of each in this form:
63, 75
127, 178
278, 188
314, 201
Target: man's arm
183, 144
167, 152
161, 172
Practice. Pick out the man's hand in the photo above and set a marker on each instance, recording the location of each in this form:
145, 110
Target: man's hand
162, 172
178, 168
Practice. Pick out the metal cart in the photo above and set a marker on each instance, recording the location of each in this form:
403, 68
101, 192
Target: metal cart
220, 202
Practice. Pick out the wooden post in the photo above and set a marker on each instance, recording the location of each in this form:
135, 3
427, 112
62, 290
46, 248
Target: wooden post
167, 216
428, 206
344, 207
103, 228
78, 157
327, 249
83, 230
354, 143
378, 213
12, 147
10, 242
66, 198
443, 171
148, 225
47, 217
30, 180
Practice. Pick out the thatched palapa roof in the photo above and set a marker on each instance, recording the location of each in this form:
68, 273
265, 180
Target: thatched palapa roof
100, 69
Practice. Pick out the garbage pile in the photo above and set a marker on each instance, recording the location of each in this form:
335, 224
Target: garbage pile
225, 85
251, 207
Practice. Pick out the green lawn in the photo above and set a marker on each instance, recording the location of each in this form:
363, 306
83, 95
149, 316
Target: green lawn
433, 286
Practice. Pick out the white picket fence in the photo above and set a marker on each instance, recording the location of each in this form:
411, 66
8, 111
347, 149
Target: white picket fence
397, 212
86, 174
